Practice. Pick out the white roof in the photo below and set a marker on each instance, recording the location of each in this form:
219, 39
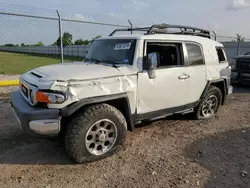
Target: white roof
173, 37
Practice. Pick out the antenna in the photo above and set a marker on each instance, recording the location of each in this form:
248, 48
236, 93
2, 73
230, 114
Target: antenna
131, 26
215, 36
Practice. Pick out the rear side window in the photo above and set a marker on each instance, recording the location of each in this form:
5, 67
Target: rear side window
221, 55
195, 56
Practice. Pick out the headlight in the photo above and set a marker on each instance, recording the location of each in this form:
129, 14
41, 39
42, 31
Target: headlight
46, 97
233, 64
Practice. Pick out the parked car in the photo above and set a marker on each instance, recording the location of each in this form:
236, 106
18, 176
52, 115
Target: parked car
241, 69
124, 80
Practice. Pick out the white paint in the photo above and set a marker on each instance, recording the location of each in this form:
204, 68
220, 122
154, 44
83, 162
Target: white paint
164, 91
79, 71
78, 90
82, 80
197, 82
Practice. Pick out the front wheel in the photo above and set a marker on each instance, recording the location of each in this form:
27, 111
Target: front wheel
209, 106
97, 132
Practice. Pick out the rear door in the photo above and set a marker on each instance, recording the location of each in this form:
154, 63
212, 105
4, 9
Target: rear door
196, 70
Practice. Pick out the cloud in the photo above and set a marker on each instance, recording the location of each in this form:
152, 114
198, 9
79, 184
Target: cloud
116, 15
79, 17
238, 5
82, 17
136, 4
140, 4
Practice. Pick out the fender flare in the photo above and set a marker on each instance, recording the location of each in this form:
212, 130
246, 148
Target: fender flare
71, 109
209, 83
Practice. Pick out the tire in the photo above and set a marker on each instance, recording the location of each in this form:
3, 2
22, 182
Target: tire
205, 104
83, 138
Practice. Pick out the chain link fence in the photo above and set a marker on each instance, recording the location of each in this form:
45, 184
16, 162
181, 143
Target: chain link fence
234, 46
29, 39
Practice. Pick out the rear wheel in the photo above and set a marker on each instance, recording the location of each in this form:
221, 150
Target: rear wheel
97, 132
209, 106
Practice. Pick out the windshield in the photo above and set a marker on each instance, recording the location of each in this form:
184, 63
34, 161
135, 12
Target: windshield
118, 51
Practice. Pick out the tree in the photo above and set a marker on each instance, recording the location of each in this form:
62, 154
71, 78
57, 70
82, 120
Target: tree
240, 38
39, 44
81, 42
9, 45
22, 45
54, 44
66, 39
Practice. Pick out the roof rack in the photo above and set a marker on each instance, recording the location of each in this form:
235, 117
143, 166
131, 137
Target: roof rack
163, 29
131, 29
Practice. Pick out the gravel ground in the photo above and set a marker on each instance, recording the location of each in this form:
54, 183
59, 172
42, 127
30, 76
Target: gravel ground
6, 90
175, 152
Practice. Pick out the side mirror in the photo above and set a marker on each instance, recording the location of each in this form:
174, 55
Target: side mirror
152, 62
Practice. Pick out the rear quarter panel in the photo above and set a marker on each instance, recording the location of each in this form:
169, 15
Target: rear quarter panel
214, 69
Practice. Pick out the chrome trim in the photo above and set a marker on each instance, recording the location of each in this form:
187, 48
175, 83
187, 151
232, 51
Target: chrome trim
230, 90
29, 87
46, 127
245, 74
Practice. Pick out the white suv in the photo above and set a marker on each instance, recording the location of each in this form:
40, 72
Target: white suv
124, 80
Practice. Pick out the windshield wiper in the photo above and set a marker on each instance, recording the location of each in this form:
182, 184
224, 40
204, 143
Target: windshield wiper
85, 59
112, 62
92, 59
95, 60
102, 61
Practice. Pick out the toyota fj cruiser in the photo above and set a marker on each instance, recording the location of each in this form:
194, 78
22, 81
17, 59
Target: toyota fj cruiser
123, 80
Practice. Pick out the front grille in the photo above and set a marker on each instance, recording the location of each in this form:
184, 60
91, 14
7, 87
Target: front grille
25, 90
243, 65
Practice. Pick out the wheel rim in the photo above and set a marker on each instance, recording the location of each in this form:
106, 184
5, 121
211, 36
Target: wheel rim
210, 105
101, 137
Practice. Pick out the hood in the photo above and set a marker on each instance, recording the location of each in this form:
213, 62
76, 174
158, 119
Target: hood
244, 57
78, 71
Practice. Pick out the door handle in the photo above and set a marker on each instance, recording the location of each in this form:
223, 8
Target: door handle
183, 77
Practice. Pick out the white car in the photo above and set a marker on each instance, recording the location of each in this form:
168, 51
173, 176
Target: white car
124, 80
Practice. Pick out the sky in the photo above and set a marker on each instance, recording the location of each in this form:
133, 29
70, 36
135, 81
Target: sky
225, 17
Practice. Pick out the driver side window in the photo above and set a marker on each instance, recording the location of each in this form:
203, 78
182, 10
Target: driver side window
169, 53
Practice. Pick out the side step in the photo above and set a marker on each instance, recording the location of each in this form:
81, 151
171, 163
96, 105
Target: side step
188, 111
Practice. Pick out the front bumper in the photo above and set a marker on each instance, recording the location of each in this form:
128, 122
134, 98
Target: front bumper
35, 121
240, 77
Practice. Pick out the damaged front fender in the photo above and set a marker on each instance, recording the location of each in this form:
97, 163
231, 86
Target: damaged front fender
77, 90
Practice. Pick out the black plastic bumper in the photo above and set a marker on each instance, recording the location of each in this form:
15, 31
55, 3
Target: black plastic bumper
26, 113
240, 77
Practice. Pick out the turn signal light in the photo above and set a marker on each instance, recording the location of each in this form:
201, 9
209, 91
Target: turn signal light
54, 98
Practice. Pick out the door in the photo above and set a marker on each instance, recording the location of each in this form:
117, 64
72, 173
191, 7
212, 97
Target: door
169, 89
196, 70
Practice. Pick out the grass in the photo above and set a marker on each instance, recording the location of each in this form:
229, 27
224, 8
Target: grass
14, 63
